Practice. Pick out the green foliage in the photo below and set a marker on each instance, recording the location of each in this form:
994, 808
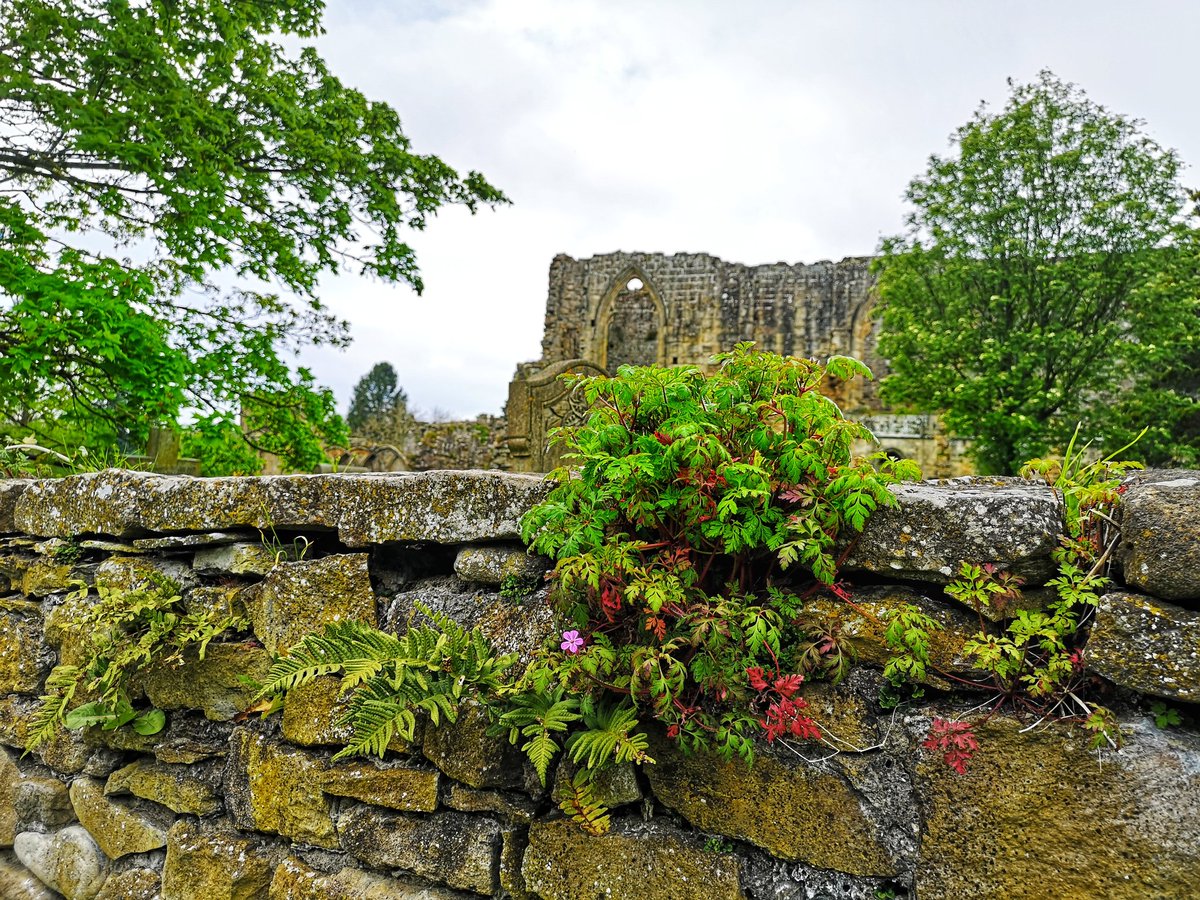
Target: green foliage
907, 635
193, 144
430, 669
1047, 275
1165, 716
516, 588
699, 511
377, 397
123, 634
1038, 655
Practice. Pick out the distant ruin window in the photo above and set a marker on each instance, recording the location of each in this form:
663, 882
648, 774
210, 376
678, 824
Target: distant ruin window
633, 326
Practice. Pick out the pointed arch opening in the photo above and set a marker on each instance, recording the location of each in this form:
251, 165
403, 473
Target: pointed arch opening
631, 323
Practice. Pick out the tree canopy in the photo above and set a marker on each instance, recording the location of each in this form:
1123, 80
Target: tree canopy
152, 155
1045, 278
377, 396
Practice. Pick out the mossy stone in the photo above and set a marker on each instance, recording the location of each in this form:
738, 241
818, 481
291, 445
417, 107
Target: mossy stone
1146, 644
403, 787
130, 573
865, 634
205, 862
213, 684
283, 608
132, 884
296, 880
1037, 815
118, 829
46, 576
24, 657
563, 862
450, 848
463, 751
177, 787
274, 788
793, 811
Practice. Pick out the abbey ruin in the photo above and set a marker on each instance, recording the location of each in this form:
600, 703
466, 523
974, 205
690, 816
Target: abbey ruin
654, 309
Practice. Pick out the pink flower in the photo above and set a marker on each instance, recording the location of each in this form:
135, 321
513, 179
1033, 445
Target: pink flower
572, 642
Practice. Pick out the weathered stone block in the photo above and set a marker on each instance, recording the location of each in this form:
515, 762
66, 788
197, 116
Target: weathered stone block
520, 628
510, 807
443, 507
18, 883
1160, 535
24, 657
1146, 644
271, 787
118, 829
234, 559
1036, 815
793, 811
295, 880
614, 786
463, 750
212, 684
632, 860
46, 576
864, 629
394, 785
938, 526
29, 801
128, 573
69, 861
132, 884
180, 788
492, 563
224, 864
10, 492
450, 848
282, 606
311, 714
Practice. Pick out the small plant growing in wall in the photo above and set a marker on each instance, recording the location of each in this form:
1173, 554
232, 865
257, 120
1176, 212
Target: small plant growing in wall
1035, 662
122, 633
698, 514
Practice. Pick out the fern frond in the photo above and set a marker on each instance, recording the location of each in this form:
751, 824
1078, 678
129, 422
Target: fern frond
60, 691
582, 807
606, 738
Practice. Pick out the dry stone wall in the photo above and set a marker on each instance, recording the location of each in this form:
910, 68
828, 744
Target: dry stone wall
221, 805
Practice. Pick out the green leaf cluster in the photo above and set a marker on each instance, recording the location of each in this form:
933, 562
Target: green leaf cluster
151, 155
696, 512
1046, 276
122, 634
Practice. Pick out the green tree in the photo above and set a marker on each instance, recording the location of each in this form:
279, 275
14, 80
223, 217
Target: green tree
151, 154
377, 397
1040, 280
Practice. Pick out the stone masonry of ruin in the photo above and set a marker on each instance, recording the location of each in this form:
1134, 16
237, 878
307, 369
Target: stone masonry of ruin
654, 309
224, 805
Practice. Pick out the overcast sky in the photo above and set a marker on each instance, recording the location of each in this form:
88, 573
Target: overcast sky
755, 131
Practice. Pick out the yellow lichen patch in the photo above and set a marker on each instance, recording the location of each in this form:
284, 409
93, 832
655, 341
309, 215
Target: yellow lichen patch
564, 863
1036, 815
794, 812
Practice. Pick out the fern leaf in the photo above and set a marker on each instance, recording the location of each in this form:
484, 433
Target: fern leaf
582, 807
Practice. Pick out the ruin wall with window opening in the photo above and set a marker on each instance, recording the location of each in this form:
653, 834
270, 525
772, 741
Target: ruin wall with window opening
656, 309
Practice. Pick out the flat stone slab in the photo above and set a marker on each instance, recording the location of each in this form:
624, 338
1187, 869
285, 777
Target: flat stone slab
442, 507
1160, 535
1147, 644
937, 526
